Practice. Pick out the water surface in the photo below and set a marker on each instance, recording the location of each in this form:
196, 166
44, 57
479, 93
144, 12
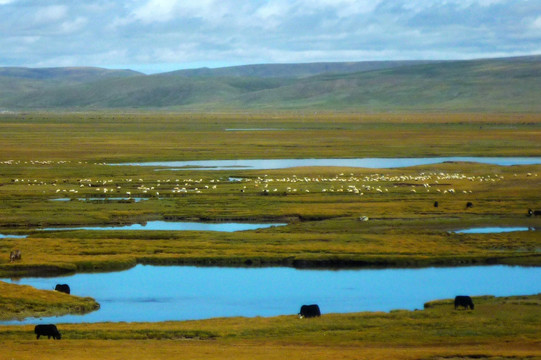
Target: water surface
5, 236
160, 293
375, 163
134, 199
177, 226
494, 230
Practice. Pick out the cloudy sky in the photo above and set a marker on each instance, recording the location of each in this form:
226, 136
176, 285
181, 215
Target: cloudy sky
161, 35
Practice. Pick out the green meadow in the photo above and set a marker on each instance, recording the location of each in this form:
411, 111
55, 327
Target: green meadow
49, 156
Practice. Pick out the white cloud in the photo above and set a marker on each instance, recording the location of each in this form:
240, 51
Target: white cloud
536, 24
72, 26
51, 13
159, 11
155, 11
99, 32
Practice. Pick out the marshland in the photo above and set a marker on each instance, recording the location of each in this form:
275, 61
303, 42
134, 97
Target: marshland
324, 217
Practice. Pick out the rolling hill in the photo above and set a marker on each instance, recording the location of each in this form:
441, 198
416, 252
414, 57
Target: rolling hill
506, 84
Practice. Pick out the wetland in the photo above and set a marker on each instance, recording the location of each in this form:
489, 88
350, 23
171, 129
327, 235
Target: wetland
341, 219
167, 293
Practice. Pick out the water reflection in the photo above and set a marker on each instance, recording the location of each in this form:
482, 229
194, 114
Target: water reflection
158, 293
177, 226
104, 199
374, 163
491, 230
5, 236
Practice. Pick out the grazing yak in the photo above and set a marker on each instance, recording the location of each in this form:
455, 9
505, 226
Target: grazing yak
62, 288
436, 204
47, 330
464, 301
308, 311
534, 212
469, 205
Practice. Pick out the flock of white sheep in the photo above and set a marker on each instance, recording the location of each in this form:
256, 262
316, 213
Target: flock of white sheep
340, 183
439, 182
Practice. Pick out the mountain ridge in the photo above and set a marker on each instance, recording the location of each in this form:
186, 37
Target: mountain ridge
503, 84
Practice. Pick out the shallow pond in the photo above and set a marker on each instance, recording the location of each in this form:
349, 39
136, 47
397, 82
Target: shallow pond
493, 230
5, 236
375, 163
177, 226
159, 293
134, 199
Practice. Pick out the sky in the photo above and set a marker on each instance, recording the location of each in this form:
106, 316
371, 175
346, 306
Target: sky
154, 36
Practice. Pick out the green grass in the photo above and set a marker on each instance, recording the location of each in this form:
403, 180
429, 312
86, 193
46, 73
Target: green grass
324, 230
21, 301
488, 85
498, 328
54, 154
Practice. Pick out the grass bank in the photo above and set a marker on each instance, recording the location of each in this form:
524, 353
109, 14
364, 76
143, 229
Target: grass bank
322, 206
21, 301
498, 328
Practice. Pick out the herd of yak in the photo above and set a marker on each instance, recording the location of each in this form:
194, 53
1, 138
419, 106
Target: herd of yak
306, 311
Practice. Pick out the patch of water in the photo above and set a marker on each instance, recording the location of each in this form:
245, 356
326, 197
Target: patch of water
160, 293
375, 163
256, 129
177, 226
493, 230
6, 236
134, 199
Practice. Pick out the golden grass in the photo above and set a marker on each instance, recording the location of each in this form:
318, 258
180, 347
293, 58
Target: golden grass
135, 137
498, 328
404, 228
21, 301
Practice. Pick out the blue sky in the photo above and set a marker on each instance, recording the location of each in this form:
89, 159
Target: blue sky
162, 35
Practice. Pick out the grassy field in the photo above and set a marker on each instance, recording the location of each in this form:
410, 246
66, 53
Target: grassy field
498, 328
99, 137
47, 156
23, 301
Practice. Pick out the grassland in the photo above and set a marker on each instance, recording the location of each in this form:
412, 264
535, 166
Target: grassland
498, 328
23, 301
321, 205
103, 137
47, 156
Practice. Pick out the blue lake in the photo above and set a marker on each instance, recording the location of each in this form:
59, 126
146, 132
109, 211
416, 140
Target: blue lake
160, 293
375, 163
178, 226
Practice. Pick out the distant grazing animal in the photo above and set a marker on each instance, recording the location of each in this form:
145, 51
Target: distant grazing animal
308, 311
534, 212
436, 204
469, 205
14, 255
464, 301
62, 288
47, 330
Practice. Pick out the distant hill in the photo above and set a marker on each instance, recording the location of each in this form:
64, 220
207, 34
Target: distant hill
65, 74
17, 82
295, 70
507, 84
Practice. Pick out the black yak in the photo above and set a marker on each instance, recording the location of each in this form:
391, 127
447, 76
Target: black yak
308, 311
62, 288
464, 301
47, 330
